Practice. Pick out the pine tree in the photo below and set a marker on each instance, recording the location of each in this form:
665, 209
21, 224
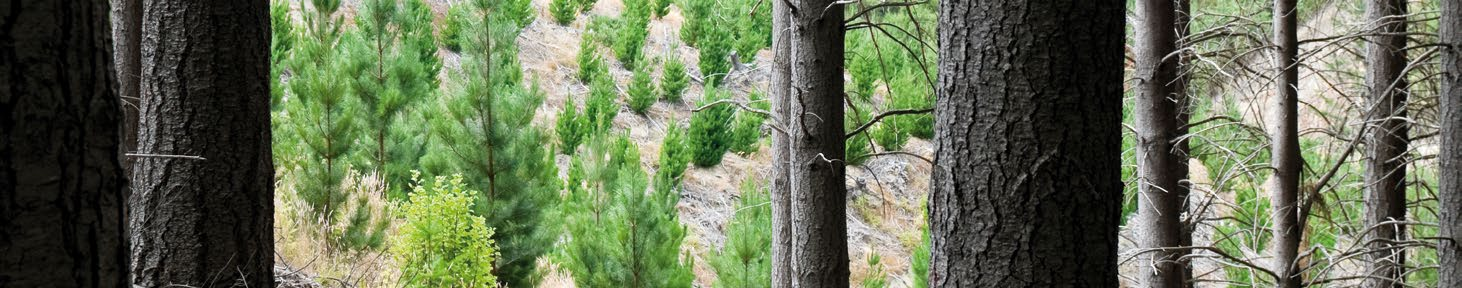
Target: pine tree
571, 127
641, 91
710, 130
591, 66
673, 79
485, 131
585, 5
452, 28
674, 158
660, 8
563, 11
318, 112
390, 76
745, 260
859, 146
715, 45
620, 234
909, 91
630, 42
600, 108
746, 129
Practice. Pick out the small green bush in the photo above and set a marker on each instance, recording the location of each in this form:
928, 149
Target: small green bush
630, 42
864, 69
441, 243
888, 135
710, 130
674, 158
673, 79
660, 8
563, 11
452, 30
919, 265
876, 277
600, 108
641, 91
591, 67
715, 46
909, 91
745, 260
585, 5
570, 127
746, 132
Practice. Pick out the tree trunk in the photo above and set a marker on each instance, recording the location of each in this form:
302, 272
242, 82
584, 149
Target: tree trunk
1285, 149
61, 182
1027, 187
1161, 165
1385, 197
204, 222
781, 154
1449, 249
127, 44
817, 172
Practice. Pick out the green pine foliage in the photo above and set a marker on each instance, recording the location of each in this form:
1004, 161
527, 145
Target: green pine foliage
886, 134
864, 68
563, 11
750, 31
571, 127
441, 242
388, 77
660, 8
754, 26
319, 115
710, 130
715, 46
673, 79
641, 91
281, 41
909, 90
876, 277
674, 158
859, 146
697, 19
746, 131
451, 35
484, 130
600, 108
745, 260
620, 234
585, 5
591, 66
629, 43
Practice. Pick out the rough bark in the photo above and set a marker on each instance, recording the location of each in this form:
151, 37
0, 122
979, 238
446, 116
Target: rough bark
204, 223
127, 50
1449, 249
1285, 148
781, 154
1385, 195
817, 172
61, 182
1027, 188
1162, 166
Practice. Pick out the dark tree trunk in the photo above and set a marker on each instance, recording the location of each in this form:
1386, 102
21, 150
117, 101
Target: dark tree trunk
1285, 148
817, 172
1385, 197
1027, 185
1185, 114
1162, 166
61, 182
781, 154
204, 223
127, 50
1449, 248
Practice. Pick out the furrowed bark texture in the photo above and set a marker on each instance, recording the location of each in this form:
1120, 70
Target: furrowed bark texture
817, 172
127, 50
61, 182
1027, 188
1449, 249
781, 152
1285, 149
1162, 165
1385, 176
204, 223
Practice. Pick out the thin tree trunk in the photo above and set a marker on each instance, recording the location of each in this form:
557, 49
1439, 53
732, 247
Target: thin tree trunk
1385, 197
204, 223
1161, 165
1285, 149
1027, 188
781, 153
1449, 249
817, 168
1185, 114
127, 50
61, 181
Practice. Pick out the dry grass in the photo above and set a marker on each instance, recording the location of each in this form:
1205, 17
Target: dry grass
302, 242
